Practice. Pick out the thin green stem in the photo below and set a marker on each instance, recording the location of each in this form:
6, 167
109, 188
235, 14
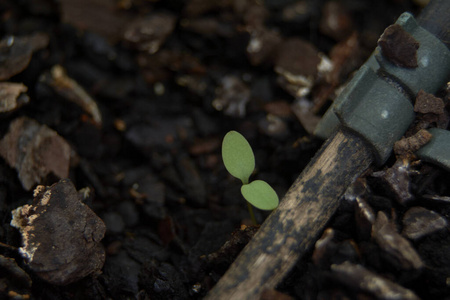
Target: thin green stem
252, 215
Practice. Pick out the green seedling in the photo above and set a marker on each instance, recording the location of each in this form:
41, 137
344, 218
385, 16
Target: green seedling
239, 160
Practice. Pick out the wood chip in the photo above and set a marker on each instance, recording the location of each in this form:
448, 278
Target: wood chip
419, 222
60, 235
12, 96
397, 249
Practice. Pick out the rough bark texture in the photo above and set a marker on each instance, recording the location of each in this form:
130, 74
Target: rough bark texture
295, 225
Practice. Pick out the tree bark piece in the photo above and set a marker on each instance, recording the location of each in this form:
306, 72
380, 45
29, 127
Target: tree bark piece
295, 225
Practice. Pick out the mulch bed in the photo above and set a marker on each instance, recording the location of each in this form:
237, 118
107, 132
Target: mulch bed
113, 114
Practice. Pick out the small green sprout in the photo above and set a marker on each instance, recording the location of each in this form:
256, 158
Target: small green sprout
238, 158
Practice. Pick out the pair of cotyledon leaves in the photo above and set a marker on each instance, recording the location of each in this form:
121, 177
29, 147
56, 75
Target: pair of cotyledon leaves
238, 158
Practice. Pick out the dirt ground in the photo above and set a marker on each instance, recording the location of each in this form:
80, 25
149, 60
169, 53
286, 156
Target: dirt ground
113, 113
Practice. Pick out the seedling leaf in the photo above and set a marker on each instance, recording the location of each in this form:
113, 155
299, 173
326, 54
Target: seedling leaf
238, 156
260, 194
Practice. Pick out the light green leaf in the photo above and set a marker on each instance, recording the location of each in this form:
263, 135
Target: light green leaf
238, 156
260, 194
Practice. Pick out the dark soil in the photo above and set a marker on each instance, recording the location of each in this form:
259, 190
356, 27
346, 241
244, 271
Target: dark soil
141, 93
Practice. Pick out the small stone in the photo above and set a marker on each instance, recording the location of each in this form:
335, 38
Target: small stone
419, 222
60, 235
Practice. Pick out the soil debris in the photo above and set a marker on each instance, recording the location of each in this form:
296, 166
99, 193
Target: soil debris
407, 146
427, 103
399, 47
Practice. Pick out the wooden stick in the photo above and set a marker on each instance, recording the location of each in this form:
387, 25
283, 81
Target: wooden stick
295, 225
